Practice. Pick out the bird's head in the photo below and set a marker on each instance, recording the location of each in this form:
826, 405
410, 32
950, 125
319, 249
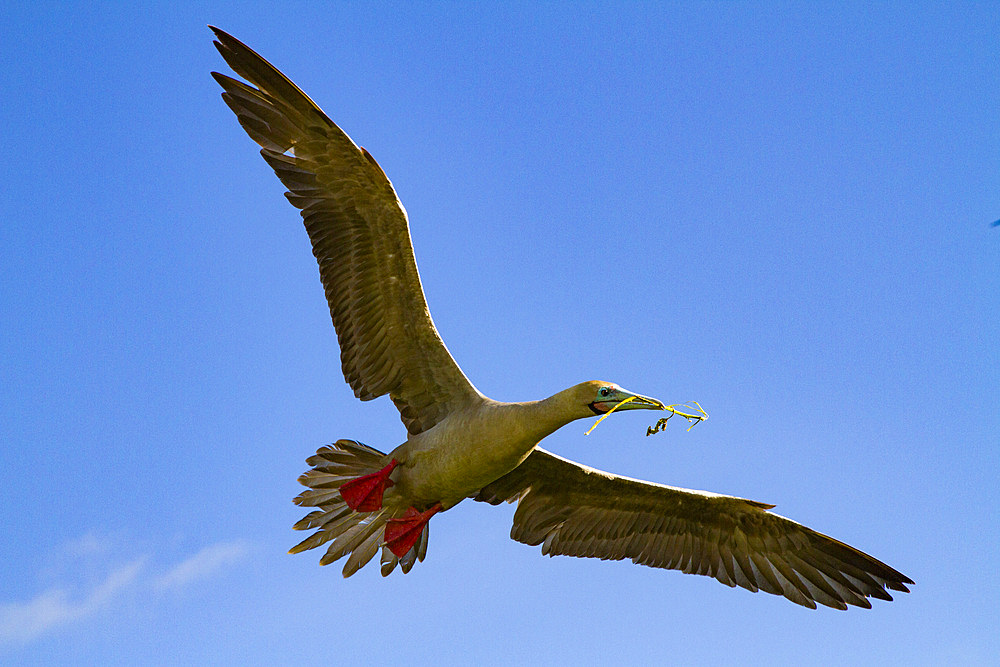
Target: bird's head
600, 397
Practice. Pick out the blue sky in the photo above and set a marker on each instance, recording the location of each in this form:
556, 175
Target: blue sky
781, 211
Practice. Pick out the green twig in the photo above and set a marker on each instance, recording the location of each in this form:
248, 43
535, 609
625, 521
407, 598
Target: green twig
691, 418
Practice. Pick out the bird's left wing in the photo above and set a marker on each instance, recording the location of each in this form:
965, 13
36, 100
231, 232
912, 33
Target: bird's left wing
574, 510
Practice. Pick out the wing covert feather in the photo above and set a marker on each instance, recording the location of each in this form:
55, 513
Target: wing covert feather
360, 238
575, 510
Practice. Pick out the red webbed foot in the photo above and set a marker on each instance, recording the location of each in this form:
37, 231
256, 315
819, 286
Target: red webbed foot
402, 533
364, 494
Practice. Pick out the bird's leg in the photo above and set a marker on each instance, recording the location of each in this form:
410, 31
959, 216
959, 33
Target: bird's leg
364, 494
402, 533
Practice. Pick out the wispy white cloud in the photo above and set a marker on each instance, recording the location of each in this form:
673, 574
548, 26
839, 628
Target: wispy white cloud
87, 545
21, 622
60, 606
203, 564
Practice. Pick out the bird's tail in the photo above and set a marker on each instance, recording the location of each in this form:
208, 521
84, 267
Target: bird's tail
359, 534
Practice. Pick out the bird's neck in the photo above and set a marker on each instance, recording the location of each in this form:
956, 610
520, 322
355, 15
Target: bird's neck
548, 415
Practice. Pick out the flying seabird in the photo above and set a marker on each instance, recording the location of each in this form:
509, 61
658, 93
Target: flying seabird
461, 444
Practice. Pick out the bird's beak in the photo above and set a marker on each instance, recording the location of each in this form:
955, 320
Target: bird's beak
635, 402
640, 402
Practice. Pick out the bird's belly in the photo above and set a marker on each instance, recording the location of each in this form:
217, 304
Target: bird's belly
449, 474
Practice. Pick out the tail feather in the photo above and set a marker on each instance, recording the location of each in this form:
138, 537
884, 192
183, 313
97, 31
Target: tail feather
320, 478
359, 534
408, 560
353, 536
321, 517
363, 553
356, 453
389, 561
318, 498
421, 545
416, 552
335, 524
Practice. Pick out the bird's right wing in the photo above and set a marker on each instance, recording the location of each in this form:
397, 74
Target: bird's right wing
361, 240
574, 510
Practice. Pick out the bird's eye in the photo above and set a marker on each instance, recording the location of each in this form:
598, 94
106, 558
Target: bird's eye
605, 391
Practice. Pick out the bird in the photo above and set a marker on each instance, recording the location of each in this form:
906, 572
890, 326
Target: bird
463, 445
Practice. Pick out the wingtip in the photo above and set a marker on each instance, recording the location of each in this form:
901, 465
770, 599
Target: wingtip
225, 42
900, 586
220, 35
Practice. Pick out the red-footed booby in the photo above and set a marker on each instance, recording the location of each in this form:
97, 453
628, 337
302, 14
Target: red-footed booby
461, 444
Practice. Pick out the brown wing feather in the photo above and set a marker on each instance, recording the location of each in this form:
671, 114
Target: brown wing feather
360, 237
574, 510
